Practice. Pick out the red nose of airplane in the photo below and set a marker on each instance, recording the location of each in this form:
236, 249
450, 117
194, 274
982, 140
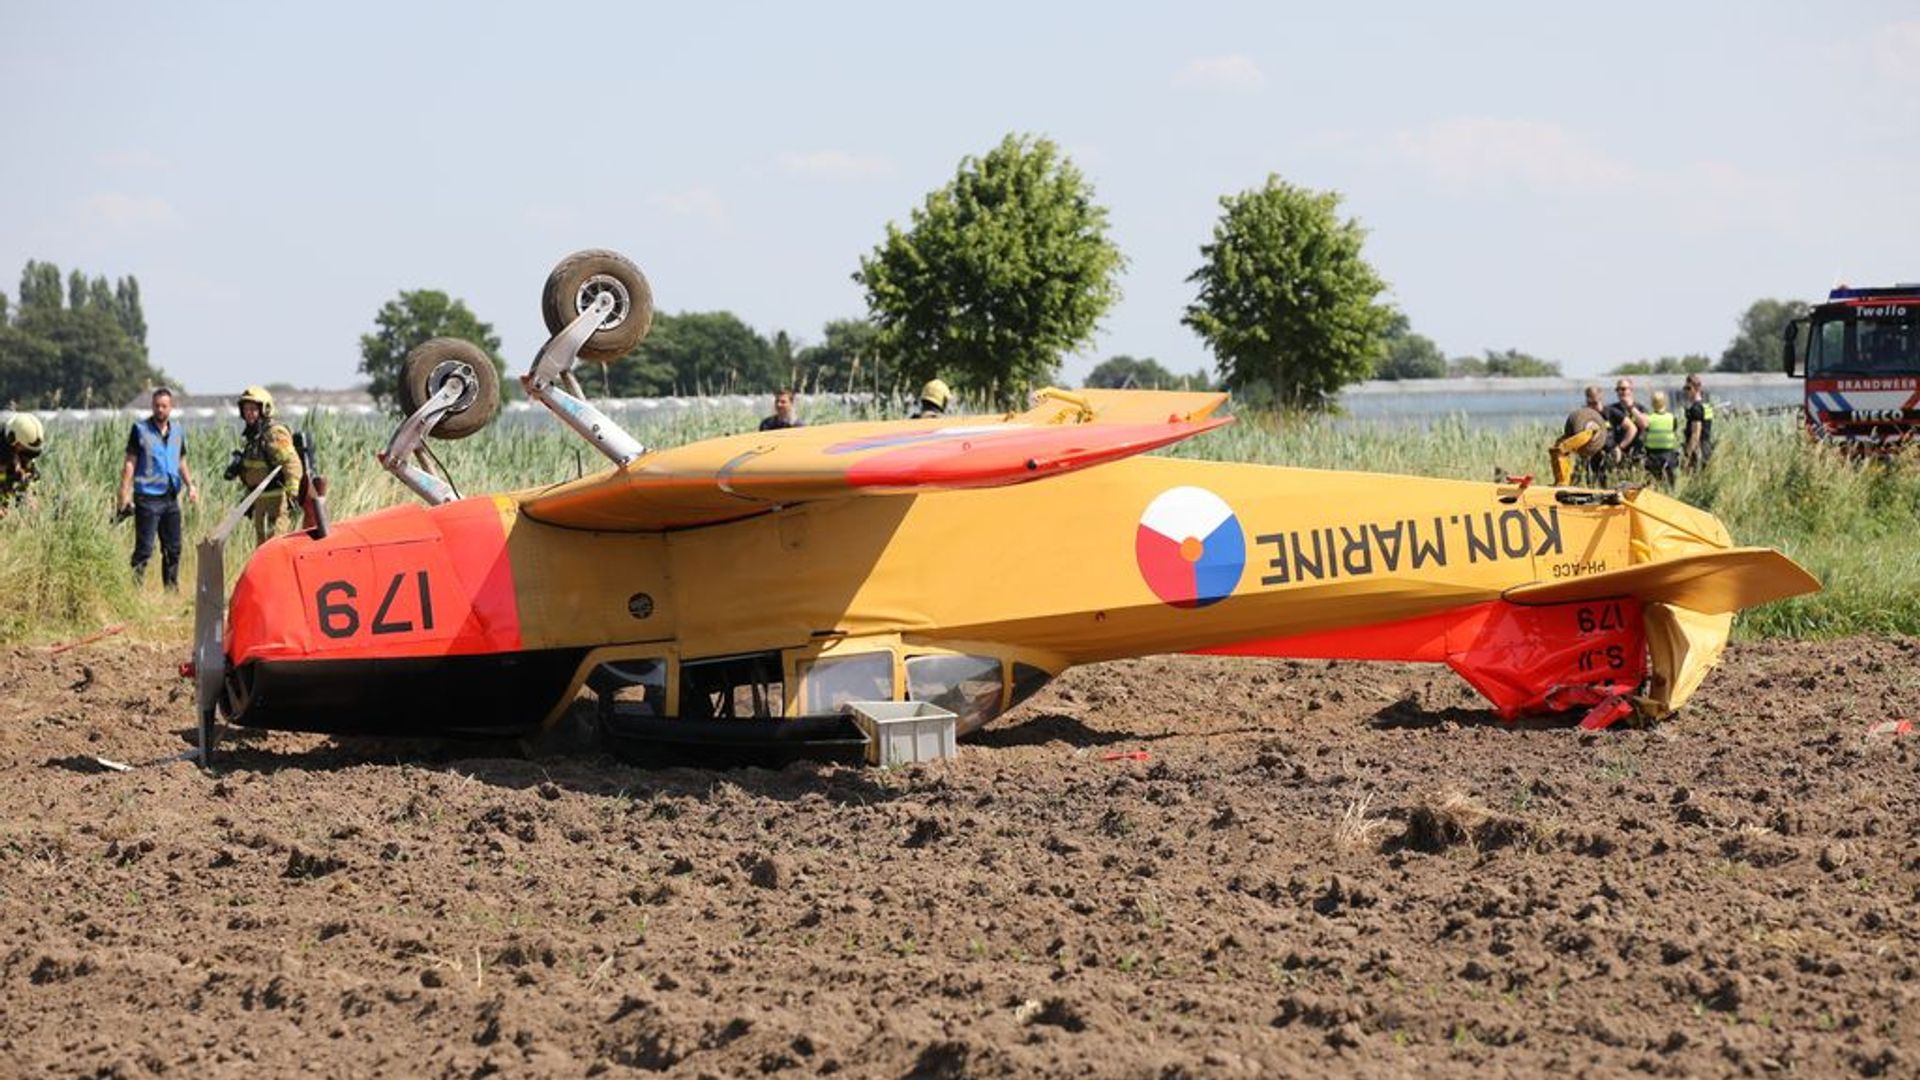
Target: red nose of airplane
265, 617
402, 621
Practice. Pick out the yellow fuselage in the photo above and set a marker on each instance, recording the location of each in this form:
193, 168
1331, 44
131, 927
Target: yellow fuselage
1051, 572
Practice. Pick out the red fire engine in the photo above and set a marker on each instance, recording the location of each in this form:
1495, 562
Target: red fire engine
1860, 356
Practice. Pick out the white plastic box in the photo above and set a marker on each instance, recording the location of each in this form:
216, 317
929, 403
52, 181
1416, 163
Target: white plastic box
904, 732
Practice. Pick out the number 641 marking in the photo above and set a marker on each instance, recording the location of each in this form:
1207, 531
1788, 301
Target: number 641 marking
333, 602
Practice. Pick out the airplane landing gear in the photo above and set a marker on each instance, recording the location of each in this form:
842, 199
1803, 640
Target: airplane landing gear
599, 306
450, 390
580, 280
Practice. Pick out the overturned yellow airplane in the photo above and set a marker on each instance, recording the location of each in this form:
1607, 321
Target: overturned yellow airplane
738, 592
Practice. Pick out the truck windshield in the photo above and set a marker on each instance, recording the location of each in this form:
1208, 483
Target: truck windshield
1867, 344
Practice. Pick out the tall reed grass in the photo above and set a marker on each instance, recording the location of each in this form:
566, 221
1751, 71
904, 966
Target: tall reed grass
63, 566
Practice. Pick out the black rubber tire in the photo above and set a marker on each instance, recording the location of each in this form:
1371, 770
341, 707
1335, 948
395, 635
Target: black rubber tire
561, 302
417, 369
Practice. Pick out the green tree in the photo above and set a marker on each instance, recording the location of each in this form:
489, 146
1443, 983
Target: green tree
39, 285
1666, 365
77, 358
409, 320
847, 358
641, 373
1000, 274
100, 298
697, 352
1128, 373
785, 364
126, 308
1409, 355
1286, 300
28, 365
70, 346
1507, 364
1756, 343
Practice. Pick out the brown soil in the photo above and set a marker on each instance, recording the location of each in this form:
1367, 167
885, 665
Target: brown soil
1176, 867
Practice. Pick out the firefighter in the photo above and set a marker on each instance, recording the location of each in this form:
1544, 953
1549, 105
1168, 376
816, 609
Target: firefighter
1662, 440
22, 437
934, 398
1699, 448
266, 442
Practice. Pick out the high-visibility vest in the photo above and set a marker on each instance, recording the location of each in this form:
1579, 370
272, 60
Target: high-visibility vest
157, 471
1706, 425
1662, 434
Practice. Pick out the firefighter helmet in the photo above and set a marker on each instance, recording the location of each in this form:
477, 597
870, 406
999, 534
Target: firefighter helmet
25, 434
260, 396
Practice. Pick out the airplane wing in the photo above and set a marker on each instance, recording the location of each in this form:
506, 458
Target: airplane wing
741, 475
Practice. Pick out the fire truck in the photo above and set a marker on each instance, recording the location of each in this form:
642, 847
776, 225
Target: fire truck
1859, 354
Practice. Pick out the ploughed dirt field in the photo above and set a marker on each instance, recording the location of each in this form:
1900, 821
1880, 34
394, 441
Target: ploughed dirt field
1167, 868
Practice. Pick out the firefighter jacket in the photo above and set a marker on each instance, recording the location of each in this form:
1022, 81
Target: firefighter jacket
269, 443
17, 474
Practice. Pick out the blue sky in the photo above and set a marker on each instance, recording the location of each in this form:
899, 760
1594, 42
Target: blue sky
1591, 186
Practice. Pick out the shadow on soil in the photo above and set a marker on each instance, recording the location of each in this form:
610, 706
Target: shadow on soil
1406, 715
550, 768
1055, 727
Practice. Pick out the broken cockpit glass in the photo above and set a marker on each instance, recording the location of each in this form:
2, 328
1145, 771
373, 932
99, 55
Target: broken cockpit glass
967, 686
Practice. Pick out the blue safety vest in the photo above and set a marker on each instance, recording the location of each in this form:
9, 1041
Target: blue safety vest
157, 472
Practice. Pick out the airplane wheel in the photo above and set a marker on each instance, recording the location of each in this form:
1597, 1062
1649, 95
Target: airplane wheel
427, 366
579, 280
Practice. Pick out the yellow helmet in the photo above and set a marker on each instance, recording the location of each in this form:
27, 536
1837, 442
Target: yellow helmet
260, 396
936, 394
25, 433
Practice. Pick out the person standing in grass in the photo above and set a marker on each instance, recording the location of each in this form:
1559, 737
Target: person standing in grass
1699, 450
1627, 421
934, 398
782, 417
266, 445
1581, 451
151, 479
22, 437
1662, 440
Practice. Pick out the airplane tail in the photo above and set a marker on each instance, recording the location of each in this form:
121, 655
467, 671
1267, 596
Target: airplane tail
1690, 581
1642, 636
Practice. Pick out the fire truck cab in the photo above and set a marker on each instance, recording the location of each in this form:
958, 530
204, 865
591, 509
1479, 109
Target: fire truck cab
1859, 354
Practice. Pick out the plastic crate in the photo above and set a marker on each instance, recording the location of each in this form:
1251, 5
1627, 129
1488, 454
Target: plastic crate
905, 732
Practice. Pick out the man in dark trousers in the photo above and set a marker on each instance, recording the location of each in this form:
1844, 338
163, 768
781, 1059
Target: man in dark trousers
151, 480
1627, 420
1699, 442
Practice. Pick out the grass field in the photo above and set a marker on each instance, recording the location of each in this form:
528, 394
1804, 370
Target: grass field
63, 565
